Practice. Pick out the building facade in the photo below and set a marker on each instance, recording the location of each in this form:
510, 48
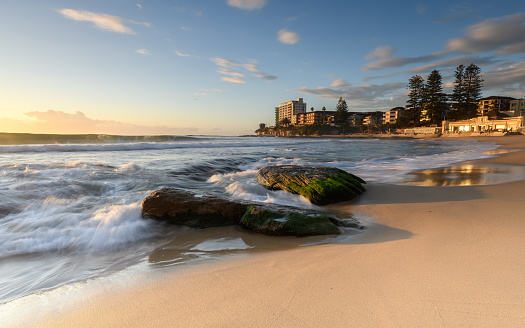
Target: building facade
290, 108
315, 117
517, 107
392, 116
483, 124
493, 103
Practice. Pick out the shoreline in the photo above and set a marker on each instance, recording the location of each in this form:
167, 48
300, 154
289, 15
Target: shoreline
433, 256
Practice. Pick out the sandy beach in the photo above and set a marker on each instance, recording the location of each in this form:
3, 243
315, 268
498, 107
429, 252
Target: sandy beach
432, 257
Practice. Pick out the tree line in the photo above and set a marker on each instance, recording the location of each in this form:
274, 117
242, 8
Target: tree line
428, 102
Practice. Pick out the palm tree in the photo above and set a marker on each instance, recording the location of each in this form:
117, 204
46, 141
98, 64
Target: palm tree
285, 122
324, 115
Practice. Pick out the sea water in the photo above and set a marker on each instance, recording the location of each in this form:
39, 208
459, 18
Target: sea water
70, 205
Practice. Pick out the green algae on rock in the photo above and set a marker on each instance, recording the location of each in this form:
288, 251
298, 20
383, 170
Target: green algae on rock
283, 222
320, 185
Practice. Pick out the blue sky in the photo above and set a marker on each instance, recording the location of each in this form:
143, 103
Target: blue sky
222, 66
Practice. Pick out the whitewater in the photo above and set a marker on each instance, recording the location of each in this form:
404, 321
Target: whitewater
70, 205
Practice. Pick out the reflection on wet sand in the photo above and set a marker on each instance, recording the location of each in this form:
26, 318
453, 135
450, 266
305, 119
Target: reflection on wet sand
192, 245
467, 175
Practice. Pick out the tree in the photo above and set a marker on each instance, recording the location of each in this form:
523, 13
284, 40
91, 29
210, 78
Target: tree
312, 109
473, 82
467, 89
341, 115
262, 126
416, 98
285, 122
324, 115
435, 99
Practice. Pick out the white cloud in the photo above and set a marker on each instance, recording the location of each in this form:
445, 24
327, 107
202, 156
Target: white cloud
381, 53
288, 37
247, 4
228, 72
515, 48
224, 62
362, 96
236, 69
181, 54
340, 83
504, 35
139, 5
185, 28
203, 94
491, 34
384, 59
143, 52
53, 121
507, 80
234, 79
102, 21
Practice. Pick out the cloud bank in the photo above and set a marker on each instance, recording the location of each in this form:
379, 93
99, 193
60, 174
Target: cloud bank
53, 121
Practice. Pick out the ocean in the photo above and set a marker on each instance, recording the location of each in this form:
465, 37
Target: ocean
70, 204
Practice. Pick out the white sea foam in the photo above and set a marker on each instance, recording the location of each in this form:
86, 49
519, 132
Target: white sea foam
99, 147
54, 225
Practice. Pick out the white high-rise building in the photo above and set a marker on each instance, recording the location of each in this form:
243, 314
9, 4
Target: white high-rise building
290, 108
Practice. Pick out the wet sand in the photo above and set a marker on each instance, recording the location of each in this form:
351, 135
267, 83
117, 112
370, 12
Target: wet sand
432, 257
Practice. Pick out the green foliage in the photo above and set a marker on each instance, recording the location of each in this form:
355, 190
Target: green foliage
435, 99
467, 90
341, 115
285, 122
416, 98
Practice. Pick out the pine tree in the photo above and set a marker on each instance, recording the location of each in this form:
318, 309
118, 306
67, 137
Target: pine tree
467, 89
435, 99
341, 114
416, 98
473, 84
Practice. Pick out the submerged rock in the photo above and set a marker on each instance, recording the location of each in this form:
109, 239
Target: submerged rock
320, 185
181, 207
283, 222
177, 206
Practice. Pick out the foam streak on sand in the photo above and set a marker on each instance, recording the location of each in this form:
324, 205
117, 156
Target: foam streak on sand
435, 256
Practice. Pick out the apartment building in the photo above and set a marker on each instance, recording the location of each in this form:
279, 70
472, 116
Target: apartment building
290, 108
517, 107
493, 103
315, 117
392, 116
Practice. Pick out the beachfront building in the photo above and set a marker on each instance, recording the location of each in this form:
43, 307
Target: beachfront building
483, 124
373, 118
392, 116
290, 108
495, 104
423, 130
355, 119
516, 107
315, 117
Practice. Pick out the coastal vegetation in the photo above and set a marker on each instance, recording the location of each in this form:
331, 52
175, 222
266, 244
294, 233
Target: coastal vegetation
427, 104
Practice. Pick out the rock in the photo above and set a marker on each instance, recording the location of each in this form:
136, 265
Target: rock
177, 206
283, 221
320, 185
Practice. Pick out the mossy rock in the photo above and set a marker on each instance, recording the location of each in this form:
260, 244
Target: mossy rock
320, 185
282, 222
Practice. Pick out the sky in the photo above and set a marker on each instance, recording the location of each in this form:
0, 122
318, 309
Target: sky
220, 67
